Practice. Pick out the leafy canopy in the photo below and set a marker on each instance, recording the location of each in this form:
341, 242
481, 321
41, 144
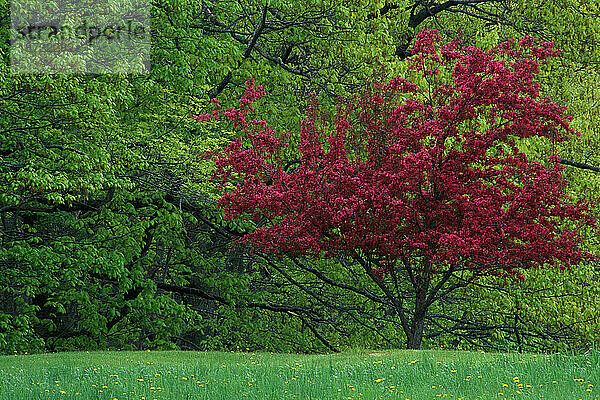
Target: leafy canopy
428, 170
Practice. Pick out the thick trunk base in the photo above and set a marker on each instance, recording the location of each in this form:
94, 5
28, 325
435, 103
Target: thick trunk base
416, 337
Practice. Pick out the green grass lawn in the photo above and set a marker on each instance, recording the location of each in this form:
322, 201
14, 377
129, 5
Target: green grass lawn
245, 375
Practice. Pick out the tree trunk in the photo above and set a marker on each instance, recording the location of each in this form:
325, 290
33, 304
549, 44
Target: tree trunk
416, 334
417, 326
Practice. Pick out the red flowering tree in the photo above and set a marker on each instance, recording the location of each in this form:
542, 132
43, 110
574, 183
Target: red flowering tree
420, 184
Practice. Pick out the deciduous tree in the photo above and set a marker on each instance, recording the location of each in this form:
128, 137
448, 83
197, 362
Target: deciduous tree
418, 181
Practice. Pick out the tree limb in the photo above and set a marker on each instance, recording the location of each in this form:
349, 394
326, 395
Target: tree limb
578, 165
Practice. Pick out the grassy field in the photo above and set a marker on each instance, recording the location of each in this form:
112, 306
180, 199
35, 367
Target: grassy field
366, 375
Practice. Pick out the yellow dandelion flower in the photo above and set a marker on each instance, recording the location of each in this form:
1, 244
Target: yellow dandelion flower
379, 380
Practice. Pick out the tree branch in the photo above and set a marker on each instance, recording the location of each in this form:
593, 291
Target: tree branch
251, 44
578, 165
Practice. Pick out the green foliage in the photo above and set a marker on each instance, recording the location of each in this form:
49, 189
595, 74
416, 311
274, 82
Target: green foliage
108, 221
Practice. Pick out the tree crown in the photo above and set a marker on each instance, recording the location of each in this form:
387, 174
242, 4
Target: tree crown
421, 168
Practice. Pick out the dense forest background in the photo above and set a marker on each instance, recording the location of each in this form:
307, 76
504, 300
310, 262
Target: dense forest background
110, 235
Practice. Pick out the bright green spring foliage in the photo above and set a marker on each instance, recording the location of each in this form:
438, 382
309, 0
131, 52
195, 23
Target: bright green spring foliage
82, 222
109, 235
